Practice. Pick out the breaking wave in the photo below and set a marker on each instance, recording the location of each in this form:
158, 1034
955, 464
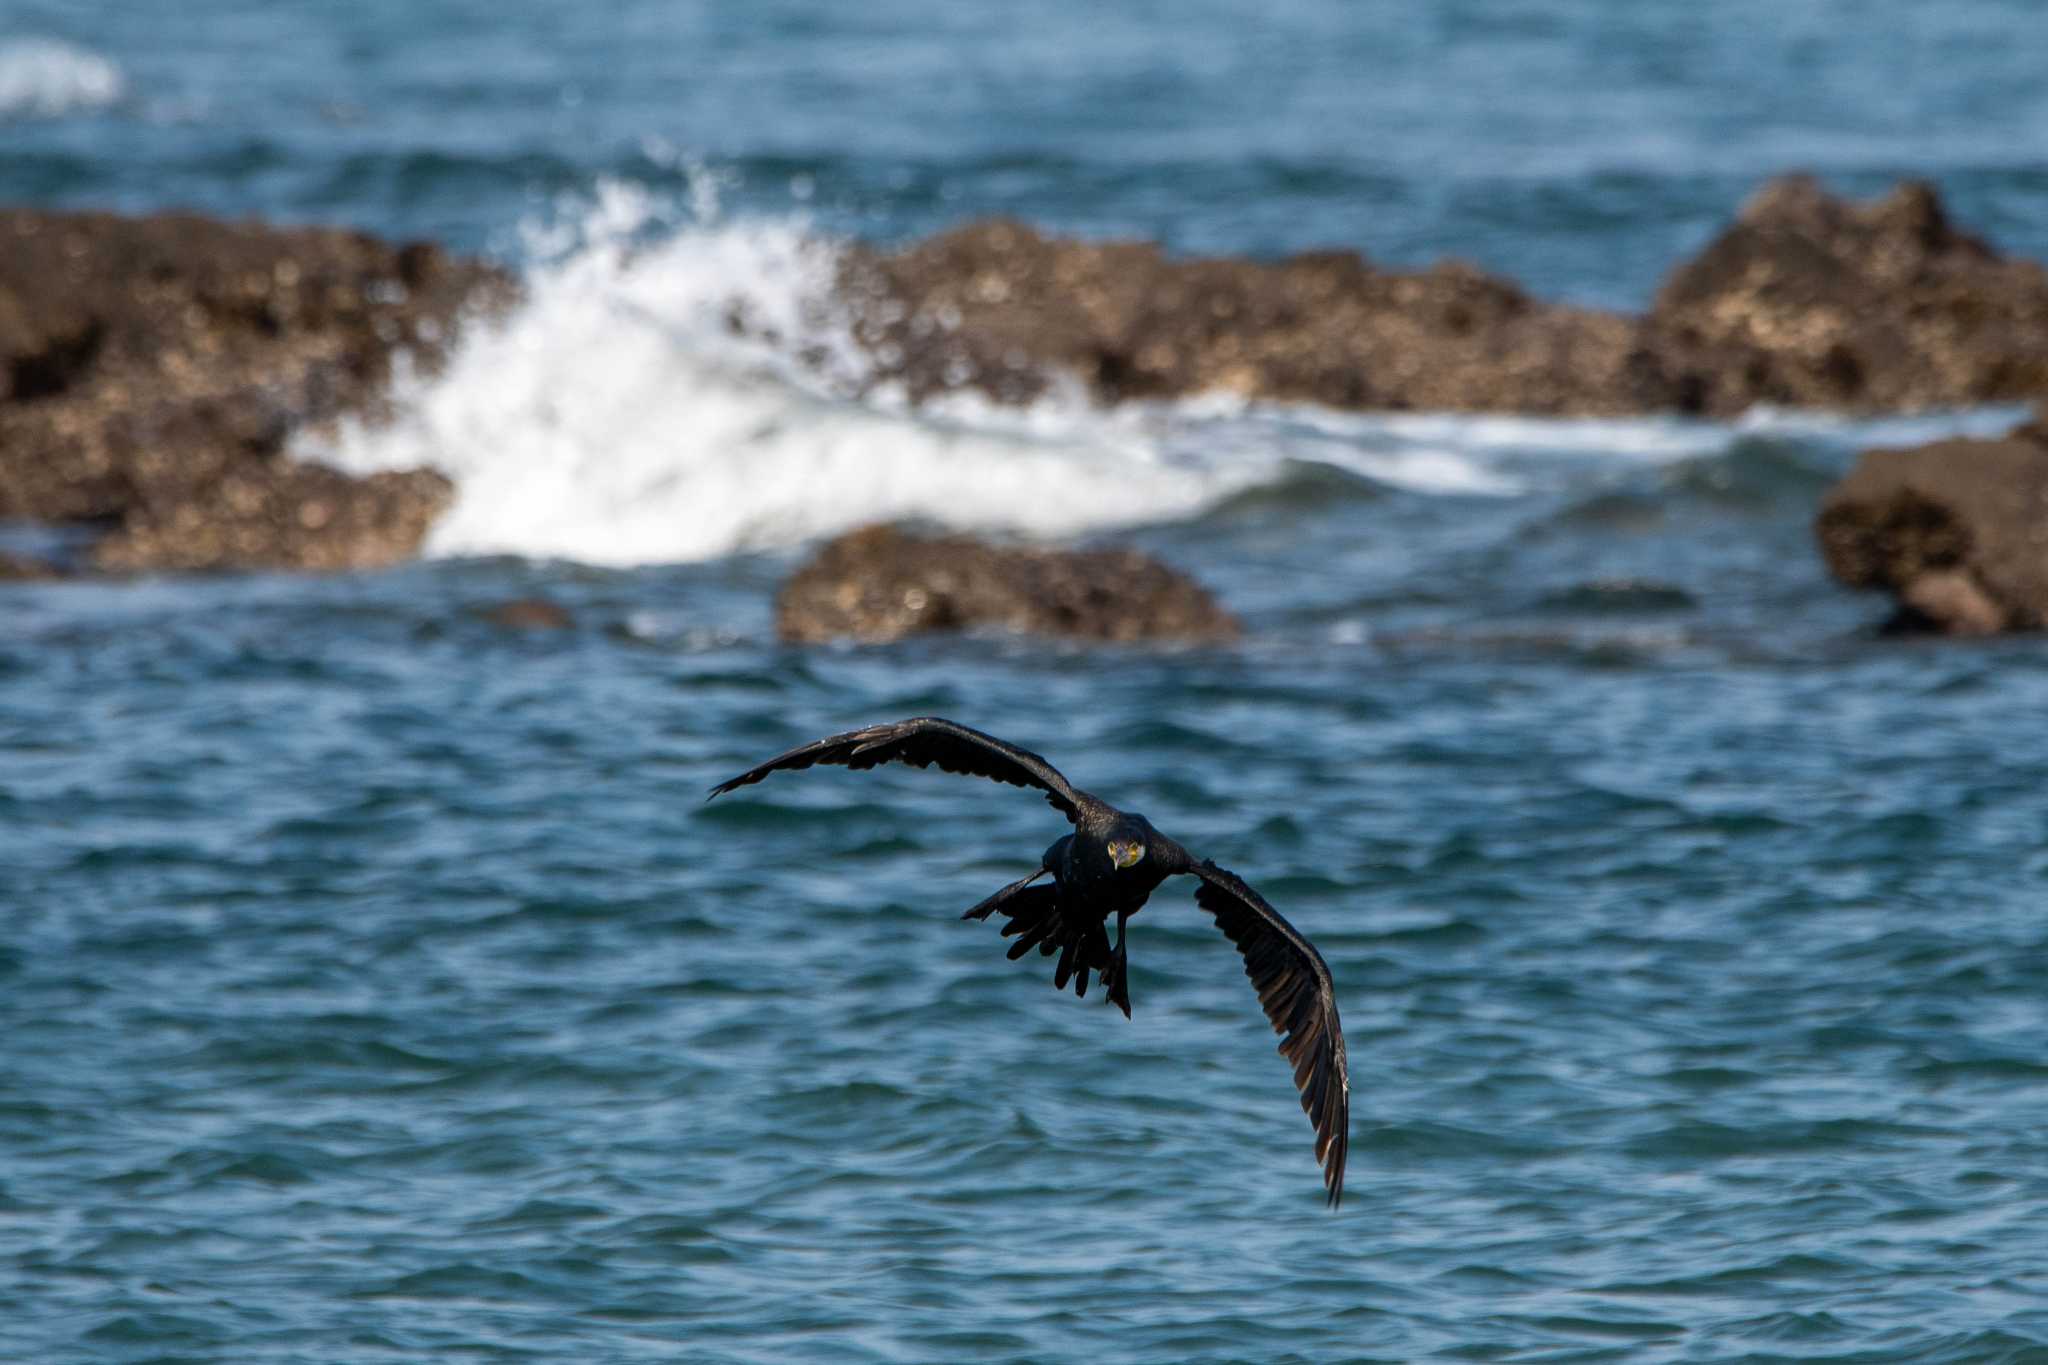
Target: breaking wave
47, 78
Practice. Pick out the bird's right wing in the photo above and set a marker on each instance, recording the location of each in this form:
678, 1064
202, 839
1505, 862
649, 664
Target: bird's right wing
922, 742
1300, 1001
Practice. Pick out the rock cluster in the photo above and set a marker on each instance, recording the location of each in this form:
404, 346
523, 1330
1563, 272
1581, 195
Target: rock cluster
1957, 531
152, 368
999, 307
883, 583
1807, 300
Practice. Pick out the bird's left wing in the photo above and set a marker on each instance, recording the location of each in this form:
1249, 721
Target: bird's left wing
1300, 1001
923, 741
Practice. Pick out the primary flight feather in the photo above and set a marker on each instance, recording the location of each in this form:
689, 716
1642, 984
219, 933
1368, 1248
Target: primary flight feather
1111, 864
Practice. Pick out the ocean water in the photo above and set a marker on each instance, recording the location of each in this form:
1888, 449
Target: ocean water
376, 985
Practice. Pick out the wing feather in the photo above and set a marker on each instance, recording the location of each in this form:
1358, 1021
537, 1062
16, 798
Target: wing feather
922, 742
1300, 1001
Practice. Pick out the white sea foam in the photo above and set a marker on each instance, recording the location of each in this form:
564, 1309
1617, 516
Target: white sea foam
45, 78
615, 417
1909, 429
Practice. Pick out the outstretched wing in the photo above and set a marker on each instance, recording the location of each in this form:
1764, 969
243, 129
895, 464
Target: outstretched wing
1301, 1002
922, 742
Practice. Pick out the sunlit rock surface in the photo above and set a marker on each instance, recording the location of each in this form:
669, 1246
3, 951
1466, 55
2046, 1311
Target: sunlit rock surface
883, 583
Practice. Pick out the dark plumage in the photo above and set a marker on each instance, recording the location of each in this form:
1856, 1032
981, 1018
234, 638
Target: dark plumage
1111, 864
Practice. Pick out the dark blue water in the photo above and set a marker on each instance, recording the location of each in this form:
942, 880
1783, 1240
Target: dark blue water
375, 985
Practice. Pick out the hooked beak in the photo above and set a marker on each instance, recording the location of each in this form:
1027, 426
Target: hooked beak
1126, 855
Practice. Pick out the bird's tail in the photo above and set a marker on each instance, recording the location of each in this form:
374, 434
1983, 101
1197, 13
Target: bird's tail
1035, 920
1116, 978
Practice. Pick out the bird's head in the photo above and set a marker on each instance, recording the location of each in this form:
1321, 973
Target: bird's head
1125, 850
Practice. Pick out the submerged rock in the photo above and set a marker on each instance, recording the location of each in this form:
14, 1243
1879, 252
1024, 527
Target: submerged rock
152, 368
527, 613
16, 568
882, 583
1956, 530
1807, 299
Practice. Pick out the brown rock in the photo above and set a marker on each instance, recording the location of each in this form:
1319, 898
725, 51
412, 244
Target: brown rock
527, 613
152, 368
1814, 301
2036, 427
997, 307
1956, 530
881, 583
281, 515
1951, 602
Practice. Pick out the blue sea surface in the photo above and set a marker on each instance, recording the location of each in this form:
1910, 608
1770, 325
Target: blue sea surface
375, 983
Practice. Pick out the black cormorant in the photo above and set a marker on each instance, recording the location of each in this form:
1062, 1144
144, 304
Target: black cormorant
1109, 865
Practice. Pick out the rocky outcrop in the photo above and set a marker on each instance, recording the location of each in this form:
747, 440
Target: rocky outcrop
998, 307
883, 583
1957, 531
151, 370
1813, 301
1806, 300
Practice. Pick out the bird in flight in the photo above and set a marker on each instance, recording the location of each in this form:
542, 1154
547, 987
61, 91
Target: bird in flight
1112, 862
